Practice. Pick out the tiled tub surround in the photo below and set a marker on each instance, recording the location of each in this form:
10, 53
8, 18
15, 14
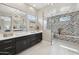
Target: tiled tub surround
19, 42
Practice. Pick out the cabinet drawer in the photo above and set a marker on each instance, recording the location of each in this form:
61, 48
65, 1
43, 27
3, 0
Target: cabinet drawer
7, 48
33, 39
6, 41
7, 52
39, 35
4, 53
6, 45
34, 42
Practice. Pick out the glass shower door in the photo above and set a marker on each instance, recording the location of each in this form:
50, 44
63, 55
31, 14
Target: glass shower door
47, 29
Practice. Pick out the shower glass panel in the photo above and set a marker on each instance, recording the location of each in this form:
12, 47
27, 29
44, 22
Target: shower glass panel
65, 27
47, 29
64, 32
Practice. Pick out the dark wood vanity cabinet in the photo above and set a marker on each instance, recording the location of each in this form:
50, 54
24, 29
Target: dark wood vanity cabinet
16, 45
25, 42
7, 47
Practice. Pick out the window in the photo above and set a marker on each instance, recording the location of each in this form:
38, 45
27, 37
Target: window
31, 18
65, 18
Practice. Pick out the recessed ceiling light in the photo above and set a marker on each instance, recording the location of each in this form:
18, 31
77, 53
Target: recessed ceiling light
52, 4
31, 8
34, 5
48, 3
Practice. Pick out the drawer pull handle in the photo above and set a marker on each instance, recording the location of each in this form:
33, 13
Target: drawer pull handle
8, 47
4, 52
24, 42
7, 41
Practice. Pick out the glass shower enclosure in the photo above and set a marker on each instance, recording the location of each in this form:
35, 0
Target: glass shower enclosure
64, 27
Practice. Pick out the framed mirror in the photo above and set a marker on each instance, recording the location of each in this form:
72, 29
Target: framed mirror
5, 23
19, 23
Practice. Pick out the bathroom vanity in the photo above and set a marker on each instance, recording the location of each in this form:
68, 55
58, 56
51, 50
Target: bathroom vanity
19, 42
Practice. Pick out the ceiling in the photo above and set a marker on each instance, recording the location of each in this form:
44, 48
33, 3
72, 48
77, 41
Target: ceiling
59, 8
38, 5
16, 8
30, 8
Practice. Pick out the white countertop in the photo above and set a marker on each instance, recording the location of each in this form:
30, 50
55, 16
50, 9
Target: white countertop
18, 34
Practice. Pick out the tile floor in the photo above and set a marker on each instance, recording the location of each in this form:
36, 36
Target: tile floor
58, 47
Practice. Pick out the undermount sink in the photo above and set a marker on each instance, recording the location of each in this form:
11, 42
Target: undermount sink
7, 34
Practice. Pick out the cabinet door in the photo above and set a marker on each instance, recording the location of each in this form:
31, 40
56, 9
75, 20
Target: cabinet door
20, 45
27, 41
39, 36
32, 37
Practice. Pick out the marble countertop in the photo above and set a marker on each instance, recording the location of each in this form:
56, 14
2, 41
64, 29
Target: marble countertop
18, 34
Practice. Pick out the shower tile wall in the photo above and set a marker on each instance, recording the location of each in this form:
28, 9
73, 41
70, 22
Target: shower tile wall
70, 27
